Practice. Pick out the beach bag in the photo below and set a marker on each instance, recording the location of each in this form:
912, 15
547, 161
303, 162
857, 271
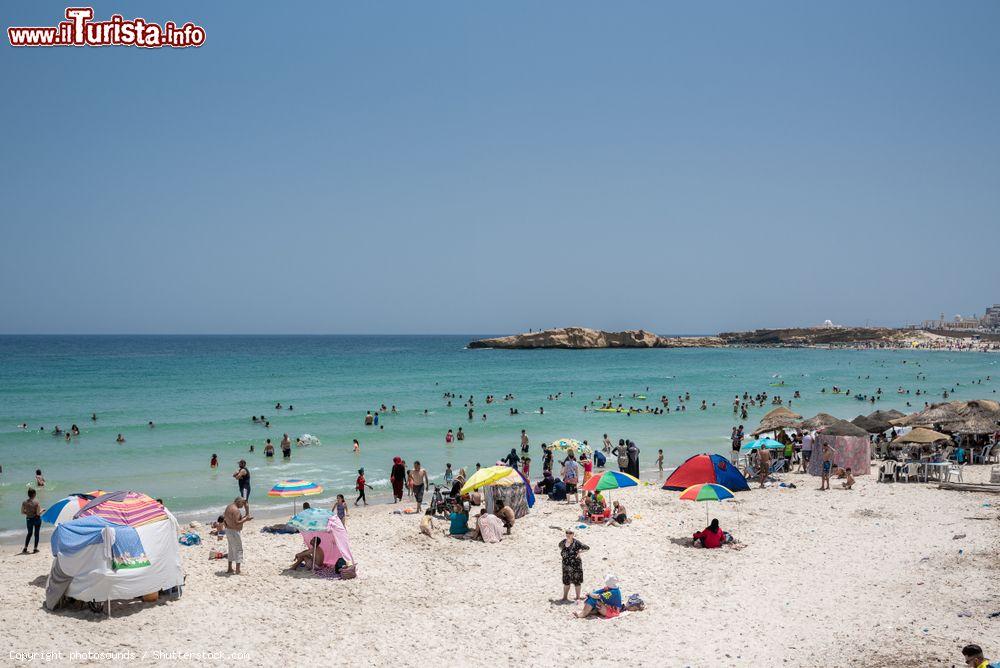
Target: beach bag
635, 603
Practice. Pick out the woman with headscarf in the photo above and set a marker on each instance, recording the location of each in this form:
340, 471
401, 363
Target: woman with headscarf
456, 484
397, 476
633, 458
511, 459
572, 564
606, 601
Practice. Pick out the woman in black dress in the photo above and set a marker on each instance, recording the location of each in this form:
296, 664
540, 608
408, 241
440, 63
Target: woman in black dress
572, 565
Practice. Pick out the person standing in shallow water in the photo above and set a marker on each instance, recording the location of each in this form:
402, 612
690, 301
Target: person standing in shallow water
398, 477
32, 511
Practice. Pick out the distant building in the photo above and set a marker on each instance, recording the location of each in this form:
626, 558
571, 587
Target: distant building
991, 319
964, 323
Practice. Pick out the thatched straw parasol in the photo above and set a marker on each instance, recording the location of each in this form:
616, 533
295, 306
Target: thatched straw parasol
844, 428
979, 416
783, 411
877, 422
870, 426
819, 421
922, 436
779, 418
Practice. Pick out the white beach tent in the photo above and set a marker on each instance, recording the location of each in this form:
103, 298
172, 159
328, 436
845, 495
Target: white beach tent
96, 560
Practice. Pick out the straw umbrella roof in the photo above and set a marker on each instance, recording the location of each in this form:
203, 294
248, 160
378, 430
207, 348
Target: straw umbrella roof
878, 421
868, 424
980, 416
819, 421
783, 411
922, 436
844, 428
774, 423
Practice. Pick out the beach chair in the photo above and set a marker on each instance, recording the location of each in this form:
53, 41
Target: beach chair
954, 470
907, 471
887, 470
777, 466
979, 454
993, 456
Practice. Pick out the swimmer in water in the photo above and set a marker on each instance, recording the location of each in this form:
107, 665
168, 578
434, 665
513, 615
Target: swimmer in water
357, 446
120, 439
215, 461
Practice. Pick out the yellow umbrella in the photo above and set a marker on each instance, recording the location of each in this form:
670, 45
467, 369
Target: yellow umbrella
485, 476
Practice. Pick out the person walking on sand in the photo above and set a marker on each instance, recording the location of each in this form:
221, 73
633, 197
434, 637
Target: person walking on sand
360, 485
418, 483
32, 511
242, 476
234, 521
764, 462
397, 476
572, 564
341, 509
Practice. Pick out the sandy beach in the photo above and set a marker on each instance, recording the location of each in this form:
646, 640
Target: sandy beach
885, 574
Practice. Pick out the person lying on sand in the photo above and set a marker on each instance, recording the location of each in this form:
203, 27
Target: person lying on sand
310, 557
606, 601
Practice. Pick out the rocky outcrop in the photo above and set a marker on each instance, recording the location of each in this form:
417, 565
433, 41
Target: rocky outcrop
582, 337
812, 336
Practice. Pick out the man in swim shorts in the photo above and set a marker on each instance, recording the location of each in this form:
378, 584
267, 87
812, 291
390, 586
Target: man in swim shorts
418, 483
234, 521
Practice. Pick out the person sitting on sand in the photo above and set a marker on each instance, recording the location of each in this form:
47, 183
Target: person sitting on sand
219, 528
489, 528
558, 492
506, 515
459, 518
618, 515
311, 557
544, 486
973, 655
427, 523
849, 483
606, 601
709, 537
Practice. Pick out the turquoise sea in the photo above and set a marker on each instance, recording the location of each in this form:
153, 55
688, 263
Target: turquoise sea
201, 391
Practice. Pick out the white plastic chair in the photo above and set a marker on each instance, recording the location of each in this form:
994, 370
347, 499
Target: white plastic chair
954, 470
910, 471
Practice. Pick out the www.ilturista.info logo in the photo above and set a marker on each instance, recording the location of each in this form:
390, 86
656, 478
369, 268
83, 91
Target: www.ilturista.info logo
80, 30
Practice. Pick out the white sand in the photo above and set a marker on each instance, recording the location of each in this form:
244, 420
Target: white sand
845, 578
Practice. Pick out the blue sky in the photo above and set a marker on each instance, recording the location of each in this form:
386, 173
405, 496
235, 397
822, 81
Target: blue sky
489, 167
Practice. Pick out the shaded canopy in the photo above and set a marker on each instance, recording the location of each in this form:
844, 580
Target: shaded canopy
921, 436
844, 428
869, 425
783, 411
979, 416
779, 418
819, 421
879, 421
